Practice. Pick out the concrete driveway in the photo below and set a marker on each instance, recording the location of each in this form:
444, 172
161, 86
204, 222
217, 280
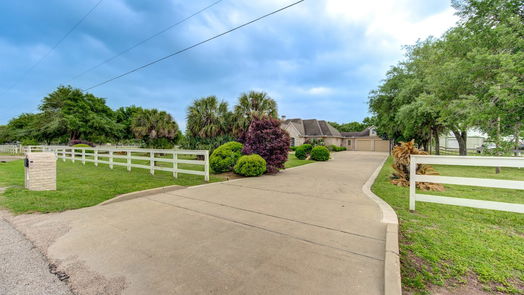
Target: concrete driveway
308, 230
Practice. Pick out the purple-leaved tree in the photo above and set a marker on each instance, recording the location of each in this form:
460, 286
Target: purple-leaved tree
265, 138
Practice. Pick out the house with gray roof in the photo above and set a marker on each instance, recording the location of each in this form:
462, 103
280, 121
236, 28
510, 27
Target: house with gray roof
303, 131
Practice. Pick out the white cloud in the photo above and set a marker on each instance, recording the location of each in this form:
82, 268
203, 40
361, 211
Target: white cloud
393, 23
319, 90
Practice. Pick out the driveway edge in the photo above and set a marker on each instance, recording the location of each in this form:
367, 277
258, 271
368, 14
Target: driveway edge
143, 193
392, 282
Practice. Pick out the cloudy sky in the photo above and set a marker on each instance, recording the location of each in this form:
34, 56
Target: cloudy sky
318, 59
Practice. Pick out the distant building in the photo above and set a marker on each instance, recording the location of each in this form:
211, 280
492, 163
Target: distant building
302, 131
474, 140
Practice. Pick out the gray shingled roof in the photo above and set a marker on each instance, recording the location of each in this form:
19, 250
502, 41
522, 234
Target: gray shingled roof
313, 127
365, 132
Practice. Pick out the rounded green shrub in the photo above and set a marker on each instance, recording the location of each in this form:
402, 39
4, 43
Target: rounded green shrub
300, 153
250, 165
342, 148
320, 153
307, 148
224, 157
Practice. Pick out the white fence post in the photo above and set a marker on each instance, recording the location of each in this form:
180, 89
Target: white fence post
412, 182
111, 159
175, 164
206, 166
128, 161
73, 154
96, 157
83, 156
152, 162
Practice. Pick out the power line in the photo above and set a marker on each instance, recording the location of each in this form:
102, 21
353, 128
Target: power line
192, 46
54, 47
144, 41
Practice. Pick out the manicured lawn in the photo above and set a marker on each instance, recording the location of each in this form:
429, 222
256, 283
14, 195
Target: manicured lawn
444, 245
82, 186
292, 161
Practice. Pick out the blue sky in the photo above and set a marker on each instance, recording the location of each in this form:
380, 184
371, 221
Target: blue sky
318, 60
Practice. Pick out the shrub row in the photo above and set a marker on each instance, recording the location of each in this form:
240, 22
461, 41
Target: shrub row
317, 153
335, 148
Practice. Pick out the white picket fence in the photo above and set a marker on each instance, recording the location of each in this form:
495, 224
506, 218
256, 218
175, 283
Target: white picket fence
481, 182
103, 155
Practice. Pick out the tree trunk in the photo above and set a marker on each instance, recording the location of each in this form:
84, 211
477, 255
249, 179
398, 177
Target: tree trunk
437, 142
461, 137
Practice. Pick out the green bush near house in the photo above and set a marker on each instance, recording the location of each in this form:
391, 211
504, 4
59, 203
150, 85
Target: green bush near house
301, 153
307, 147
340, 149
224, 158
250, 165
320, 153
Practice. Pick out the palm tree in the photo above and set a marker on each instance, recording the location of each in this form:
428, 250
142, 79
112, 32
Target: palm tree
150, 124
207, 117
252, 105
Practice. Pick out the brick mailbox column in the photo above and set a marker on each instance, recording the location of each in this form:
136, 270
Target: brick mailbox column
40, 171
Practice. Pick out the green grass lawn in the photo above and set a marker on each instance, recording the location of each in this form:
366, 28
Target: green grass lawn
444, 245
82, 185
293, 161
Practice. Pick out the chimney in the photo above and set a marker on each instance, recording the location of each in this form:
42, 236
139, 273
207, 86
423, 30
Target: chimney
283, 118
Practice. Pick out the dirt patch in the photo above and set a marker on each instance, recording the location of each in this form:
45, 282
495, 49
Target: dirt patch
229, 176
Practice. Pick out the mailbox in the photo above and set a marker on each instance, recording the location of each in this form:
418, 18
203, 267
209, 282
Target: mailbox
40, 171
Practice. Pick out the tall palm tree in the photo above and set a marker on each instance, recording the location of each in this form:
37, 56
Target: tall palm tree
251, 105
151, 124
207, 117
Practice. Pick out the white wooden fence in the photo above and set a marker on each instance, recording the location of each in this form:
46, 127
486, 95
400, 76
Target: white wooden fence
10, 149
482, 182
124, 157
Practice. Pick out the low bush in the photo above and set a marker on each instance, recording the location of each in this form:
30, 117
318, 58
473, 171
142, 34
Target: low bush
250, 165
332, 148
320, 153
307, 148
82, 145
80, 141
293, 148
301, 153
341, 149
224, 158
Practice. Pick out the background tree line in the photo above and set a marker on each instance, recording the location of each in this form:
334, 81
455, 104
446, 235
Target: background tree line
471, 77
68, 114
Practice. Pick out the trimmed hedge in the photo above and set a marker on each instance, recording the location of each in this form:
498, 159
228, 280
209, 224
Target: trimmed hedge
224, 157
251, 165
320, 153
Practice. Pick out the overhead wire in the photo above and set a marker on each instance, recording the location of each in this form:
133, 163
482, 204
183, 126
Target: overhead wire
192, 46
143, 41
32, 67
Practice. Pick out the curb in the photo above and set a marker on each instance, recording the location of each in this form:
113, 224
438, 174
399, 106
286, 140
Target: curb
392, 282
144, 193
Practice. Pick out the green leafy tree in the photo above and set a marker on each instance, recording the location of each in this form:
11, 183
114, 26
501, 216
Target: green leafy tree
78, 115
124, 117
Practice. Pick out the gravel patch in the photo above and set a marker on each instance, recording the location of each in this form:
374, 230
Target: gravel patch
23, 269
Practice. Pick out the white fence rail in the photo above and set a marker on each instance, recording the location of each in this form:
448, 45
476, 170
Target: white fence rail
124, 157
481, 182
10, 149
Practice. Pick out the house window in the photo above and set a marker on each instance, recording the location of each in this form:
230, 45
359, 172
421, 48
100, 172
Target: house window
292, 141
349, 142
